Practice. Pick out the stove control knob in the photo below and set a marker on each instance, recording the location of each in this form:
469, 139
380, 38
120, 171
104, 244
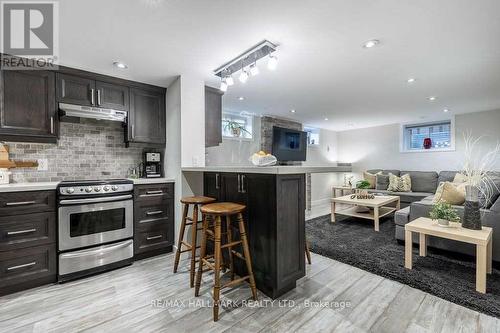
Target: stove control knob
106, 188
70, 190
97, 189
114, 188
88, 189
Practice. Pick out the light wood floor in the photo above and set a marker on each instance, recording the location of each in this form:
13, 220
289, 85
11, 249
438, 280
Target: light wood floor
121, 301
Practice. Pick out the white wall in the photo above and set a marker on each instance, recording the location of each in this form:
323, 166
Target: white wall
234, 151
378, 147
192, 121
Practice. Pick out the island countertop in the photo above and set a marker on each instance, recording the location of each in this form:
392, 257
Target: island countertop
277, 170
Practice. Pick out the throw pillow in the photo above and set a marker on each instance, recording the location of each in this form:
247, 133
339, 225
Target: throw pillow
382, 182
371, 178
451, 193
399, 184
459, 178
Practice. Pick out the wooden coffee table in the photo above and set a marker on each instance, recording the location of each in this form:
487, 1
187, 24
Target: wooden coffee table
382, 205
481, 238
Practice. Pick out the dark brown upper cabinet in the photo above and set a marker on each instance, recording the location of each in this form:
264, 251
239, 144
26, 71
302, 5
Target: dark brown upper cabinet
27, 106
73, 89
213, 116
146, 122
112, 96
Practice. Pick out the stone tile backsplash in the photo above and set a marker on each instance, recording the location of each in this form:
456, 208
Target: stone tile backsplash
86, 150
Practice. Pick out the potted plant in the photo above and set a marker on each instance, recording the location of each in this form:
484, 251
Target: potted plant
235, 128
361, 188
444, 213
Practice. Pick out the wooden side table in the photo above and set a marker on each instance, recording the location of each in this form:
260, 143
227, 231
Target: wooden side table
342, 190
481, 238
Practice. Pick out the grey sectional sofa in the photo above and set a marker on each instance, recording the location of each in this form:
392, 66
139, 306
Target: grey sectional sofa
419, 203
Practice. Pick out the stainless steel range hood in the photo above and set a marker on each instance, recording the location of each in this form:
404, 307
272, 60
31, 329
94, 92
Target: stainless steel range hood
79, 111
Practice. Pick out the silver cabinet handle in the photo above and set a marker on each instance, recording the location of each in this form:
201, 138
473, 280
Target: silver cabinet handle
132, 132
12, 268
52, 125
92, 200
217, 184
156, 212
154, 192
99, 97
239, 183
92, 96
243, 189
20, 232
154, 237
20, 203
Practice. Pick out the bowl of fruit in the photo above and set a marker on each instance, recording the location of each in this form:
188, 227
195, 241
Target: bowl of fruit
263, 159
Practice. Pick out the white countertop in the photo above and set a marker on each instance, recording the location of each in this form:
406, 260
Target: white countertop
21, 187
140, 181
278, 170
41, 186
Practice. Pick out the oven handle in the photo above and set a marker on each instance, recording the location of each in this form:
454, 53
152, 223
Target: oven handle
101, 249
94, 200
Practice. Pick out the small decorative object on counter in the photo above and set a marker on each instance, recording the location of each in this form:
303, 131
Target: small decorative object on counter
427, 143
263, 159
4, 175
444, 213
477, 174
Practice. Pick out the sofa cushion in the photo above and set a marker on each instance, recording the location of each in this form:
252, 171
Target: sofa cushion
446, 176
385, 172
451, 193
370, 178
382, 182
494, 190
402, 216
423, 181
399, 184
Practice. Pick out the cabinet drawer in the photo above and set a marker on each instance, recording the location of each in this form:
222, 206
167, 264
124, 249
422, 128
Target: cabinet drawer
20, 231
147, 211
15, 203
22, 266
155, 239
154, 192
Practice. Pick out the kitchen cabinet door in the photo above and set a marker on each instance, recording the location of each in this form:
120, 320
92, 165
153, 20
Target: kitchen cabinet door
75, 90
233, 189
146, 121
27, 106
212, 185
213, 116
112, 96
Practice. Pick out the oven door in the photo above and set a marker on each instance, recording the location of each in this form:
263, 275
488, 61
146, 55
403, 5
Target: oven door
85, 222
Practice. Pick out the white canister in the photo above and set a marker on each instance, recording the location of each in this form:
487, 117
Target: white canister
4, 176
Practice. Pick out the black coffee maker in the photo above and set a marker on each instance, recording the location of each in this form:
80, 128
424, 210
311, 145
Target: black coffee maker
152, 165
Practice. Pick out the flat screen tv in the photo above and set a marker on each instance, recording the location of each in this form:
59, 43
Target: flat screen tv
289, 144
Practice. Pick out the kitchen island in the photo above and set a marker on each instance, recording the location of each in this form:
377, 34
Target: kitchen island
275, 217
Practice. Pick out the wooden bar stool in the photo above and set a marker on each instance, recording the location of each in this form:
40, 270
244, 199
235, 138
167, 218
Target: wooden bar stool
215, 212
196, 201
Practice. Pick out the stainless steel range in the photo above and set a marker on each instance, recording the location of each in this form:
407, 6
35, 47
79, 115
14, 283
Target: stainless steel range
95, 226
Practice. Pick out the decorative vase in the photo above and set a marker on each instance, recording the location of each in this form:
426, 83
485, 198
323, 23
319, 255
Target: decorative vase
443, 222
427, 143
472, 214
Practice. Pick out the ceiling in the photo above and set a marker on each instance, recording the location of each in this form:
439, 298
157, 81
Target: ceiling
451, 47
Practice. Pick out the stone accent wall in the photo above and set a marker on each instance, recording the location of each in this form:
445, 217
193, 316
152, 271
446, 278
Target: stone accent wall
87, 150
266, 130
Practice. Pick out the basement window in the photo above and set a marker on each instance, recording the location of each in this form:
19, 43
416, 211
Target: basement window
312, 136
237, 126
431, 136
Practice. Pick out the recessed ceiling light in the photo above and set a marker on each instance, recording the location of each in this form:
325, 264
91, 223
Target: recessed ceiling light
371, 43
292, 110
446, 110
411, 80
326, 118
120, 65
241, 98
431, 98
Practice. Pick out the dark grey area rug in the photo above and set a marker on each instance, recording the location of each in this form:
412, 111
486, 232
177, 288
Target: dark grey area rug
443, 274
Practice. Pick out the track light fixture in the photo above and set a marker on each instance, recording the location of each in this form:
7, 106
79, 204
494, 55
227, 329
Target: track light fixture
247, 64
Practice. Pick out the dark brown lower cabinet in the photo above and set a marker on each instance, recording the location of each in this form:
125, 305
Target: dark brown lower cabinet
275, 224
153, 219
27, 240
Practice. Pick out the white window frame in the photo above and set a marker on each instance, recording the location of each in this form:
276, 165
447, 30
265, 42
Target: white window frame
403, 126
249, 118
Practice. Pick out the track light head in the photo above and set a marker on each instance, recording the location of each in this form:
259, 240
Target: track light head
272, 62
254, 70
223, 85
243, 76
